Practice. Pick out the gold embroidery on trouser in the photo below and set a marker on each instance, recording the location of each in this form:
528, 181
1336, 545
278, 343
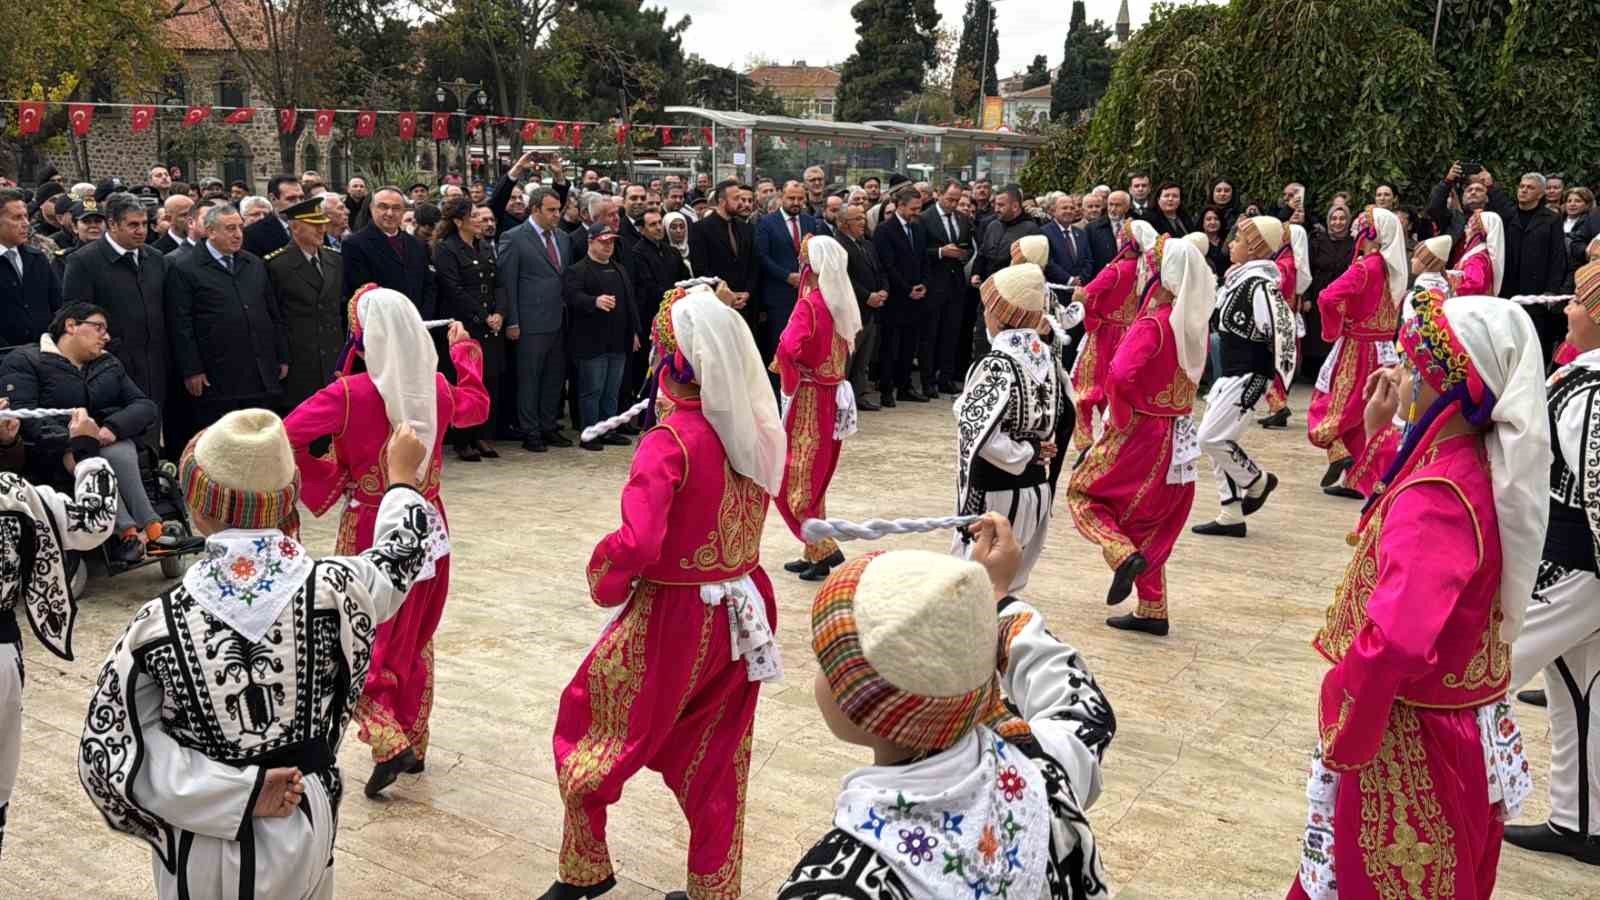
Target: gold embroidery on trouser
1419, 862
379, 729
802, 449
1083, 428
616, 672
1154, 609
1344, 380
724, 883
1114, 545
418, 734
817, 551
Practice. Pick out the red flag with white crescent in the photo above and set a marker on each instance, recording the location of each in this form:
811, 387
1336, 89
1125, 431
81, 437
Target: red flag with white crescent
473, 124
666, 135
408, 126
441, 126
142, 117
324, 123
195, 115
30, 115
577, 133
558, 134
241, 115
366, 123
530, 131
287, 119
706, 133
622, 134
81, 115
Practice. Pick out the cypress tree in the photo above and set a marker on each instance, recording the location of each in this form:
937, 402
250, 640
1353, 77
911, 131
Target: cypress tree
894, 49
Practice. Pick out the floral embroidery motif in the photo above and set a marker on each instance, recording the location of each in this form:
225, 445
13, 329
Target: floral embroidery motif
1408, 847
246, 579
1011, 784
917, 845
736, 542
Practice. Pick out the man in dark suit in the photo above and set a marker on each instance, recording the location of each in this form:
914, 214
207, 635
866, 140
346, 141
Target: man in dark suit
778, 238
722, 245
228, 342
948, 235
307, 279
634, 200
272, 231
902, 251
177, 208
384, 255
30, 290
1102, 238
128, 280
871, 290
533, 257
1069, 246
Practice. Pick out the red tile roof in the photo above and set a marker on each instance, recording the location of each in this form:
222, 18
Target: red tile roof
795, 76
1042, 92
197, 26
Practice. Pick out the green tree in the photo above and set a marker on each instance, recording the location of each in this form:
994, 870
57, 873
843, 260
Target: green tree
976, 24
895, 47
1085, 66
1038, 73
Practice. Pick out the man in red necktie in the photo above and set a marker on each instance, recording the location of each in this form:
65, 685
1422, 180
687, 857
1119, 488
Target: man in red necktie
778, 237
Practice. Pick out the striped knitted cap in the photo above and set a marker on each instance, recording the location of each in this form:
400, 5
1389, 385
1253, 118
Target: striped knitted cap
241, 472
1262, 235
907, 642
1587, 280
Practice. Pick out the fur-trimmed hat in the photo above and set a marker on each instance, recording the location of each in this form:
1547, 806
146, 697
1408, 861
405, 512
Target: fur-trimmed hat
241, 472
907, 642
1262, 235
1016, 294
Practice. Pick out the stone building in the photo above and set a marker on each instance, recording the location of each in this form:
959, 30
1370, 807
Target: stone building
807, 92
208, 74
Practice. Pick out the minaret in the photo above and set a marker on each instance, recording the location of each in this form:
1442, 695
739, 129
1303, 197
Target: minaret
1124, 24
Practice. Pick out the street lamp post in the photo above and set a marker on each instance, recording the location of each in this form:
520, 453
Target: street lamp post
988, 25
459, 91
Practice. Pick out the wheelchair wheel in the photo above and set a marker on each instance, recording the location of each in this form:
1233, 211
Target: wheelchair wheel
175, 566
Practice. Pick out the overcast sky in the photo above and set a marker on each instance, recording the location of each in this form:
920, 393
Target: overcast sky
727, 32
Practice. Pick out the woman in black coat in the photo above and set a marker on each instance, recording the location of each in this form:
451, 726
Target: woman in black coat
1332, 248
1214, 225
464, 274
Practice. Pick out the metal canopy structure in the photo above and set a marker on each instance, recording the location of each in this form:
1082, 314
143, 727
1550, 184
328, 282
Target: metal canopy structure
750, 146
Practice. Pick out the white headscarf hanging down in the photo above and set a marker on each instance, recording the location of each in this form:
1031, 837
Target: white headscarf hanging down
1145, 235
1493, 243
1302, 258
1392, 247
735, 395
401, 362
1504, 348
1186, 274
832, 265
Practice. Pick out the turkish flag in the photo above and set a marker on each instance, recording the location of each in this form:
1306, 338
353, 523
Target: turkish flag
558, 134
408, 126
366, 123
441, 126
81, 115
622, 134
29, 116
142, 117
195, 115
706, 133
287, 119
530, 131
666, 136
241, 115
324, 122
473, 124
577, 133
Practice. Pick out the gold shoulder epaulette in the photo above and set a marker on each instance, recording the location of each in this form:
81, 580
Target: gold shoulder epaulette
275, 253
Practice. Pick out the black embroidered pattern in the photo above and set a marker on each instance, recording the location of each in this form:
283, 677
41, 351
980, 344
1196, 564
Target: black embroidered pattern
1069, 873
110, 754
840, 867
998, 394
1575, 484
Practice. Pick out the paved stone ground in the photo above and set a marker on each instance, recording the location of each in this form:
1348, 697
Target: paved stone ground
1204, 783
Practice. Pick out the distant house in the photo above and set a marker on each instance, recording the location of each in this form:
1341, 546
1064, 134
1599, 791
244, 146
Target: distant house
1027, 109
807, 92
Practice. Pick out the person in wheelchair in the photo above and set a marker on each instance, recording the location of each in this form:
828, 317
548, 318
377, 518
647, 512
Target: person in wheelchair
69, 369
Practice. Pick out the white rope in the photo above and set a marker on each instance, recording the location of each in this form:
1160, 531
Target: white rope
1059, 287
605, 426
845, 530
436, 323
35, 413
692, 282
1541, 299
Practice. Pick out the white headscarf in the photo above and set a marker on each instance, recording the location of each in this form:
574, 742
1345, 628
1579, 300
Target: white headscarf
401, 363
1186, 274
1145, 235
735, 395
1494, 243
666, 223
1392, 247
1302, 258
1506, 351
832, 266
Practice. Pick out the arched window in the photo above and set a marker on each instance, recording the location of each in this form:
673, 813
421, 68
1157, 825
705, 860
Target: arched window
230, 88
236, 165
313, 156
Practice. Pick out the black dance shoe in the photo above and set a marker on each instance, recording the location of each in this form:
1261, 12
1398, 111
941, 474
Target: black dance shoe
797, 566
468, 453
385, 773
534, 445
1279, 419
1157, 627
1122, 582
1339, 490
886, 399
1552, 838
818, 571
487, 451
1250, 504
1331, 477
1533, 698
560, 890
1217, 529
867, 406
615, 440
557, 439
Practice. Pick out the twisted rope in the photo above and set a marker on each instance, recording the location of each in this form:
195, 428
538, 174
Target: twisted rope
1541, 299
436, 323
872, 529
691, 282
605, 426
35, 413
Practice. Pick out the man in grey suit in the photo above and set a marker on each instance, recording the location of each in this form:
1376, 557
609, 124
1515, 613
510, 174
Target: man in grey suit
532, 258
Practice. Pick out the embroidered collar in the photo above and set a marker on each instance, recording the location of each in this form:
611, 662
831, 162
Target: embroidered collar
1255, 268
247, 577
1027, 349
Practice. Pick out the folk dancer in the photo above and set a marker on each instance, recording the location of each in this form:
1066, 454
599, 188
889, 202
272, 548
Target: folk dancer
1360, 311
1428, 270
1006, 414
1132, 493
401, 384
1035, 248
1256, 328
1110, 304
40, 525
987, 734
1293, 260
1567, 351
819, 406
213, 732
1483, 255
683, 571
1420, 760
1562, 634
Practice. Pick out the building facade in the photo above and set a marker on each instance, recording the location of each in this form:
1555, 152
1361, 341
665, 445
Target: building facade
807, 92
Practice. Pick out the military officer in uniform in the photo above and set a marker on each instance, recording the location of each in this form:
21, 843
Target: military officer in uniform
88, 226
307, 278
